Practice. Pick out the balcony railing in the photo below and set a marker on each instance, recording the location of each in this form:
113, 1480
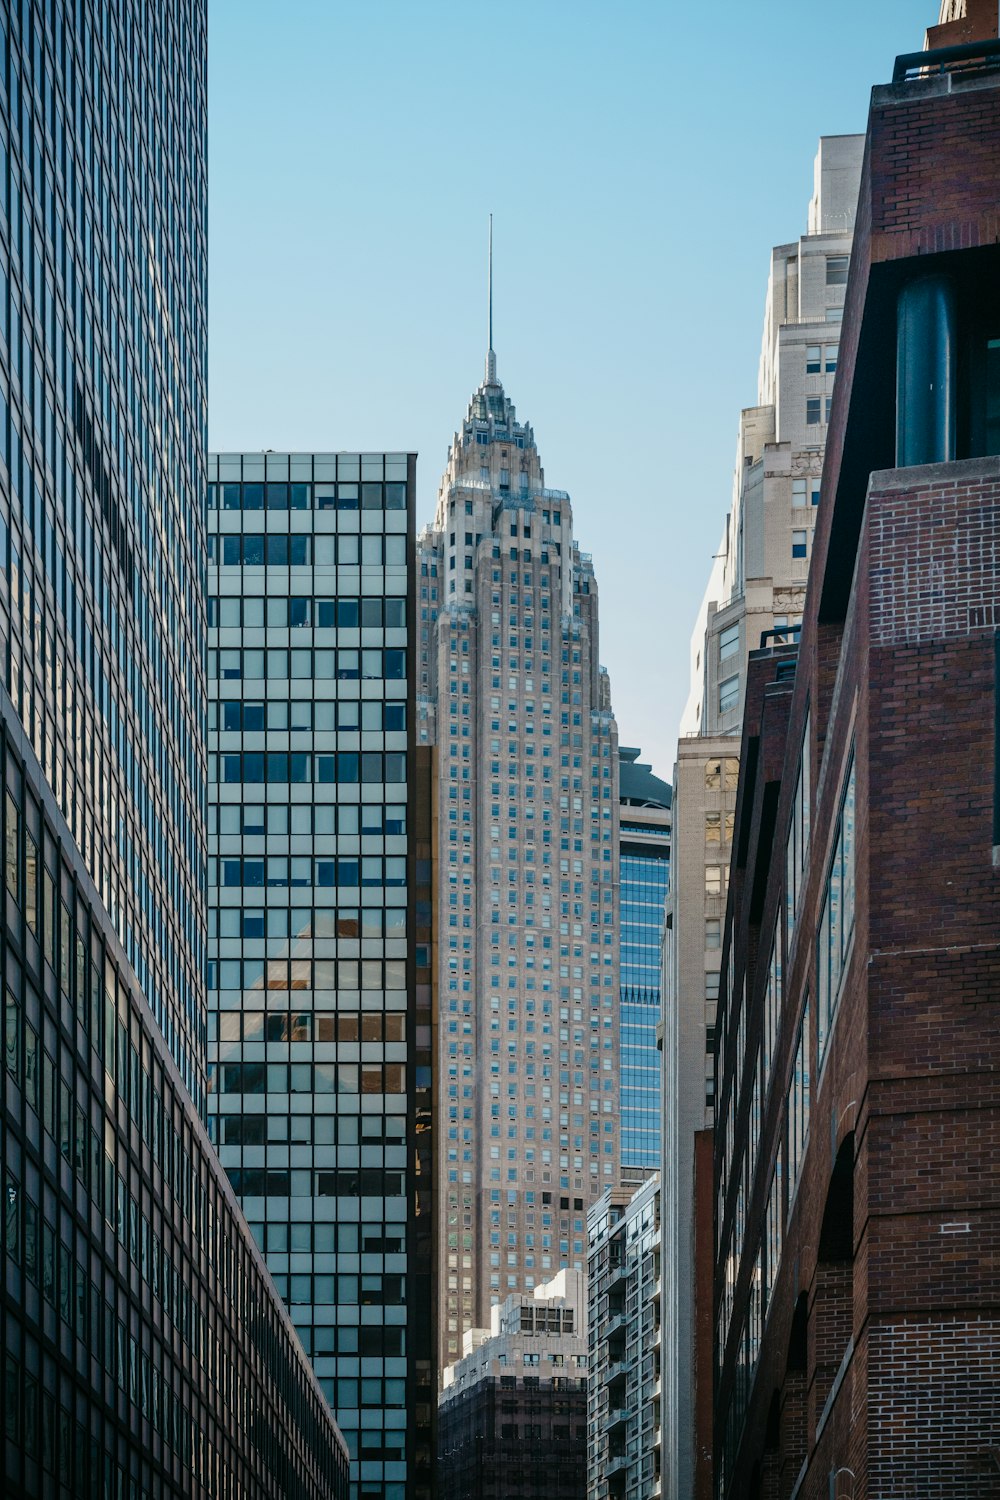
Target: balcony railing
964, 57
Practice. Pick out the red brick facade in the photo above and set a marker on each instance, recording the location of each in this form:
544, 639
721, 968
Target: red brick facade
868, 1362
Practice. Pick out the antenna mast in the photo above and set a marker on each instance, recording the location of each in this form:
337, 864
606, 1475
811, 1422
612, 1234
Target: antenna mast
491, 359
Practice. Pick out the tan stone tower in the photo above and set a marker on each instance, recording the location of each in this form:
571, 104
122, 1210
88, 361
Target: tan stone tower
512, 693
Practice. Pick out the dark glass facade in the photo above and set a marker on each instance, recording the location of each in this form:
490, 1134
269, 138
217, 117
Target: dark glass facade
102, 435
319, 1052
145, 1349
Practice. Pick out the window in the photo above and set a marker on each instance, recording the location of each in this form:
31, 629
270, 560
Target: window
729, 694
828, 407
716, 880
772, 1235
799, 494
830, 355
772, 1005
11, 851
814, 409
729, 642
814, 359
713, 932
836, 925
836, 270
800, 544
798, 1103
722, 775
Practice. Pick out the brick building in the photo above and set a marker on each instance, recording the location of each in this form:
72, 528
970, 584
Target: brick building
857, 1146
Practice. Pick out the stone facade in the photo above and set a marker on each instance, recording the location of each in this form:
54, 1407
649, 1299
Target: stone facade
514, 698
514, 1407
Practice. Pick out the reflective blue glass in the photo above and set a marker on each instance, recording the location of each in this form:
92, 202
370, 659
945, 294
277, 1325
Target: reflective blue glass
645, 878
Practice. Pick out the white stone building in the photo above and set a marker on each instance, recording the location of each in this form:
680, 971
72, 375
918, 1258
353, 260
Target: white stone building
755, 594
543, 1333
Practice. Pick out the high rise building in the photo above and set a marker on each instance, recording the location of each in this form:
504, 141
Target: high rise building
856, 1171
644, 864
756, 593
319, 926
145, 1348
759, 581
513, 695
513, 1414
624, 1340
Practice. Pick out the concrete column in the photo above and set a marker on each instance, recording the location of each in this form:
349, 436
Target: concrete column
926, 376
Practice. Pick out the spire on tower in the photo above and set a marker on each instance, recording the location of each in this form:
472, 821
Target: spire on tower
491, 359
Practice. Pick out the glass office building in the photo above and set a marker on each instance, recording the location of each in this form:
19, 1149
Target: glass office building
644, 859
319, 925
145, 1349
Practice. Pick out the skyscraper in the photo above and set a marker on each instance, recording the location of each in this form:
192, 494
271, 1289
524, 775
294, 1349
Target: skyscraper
513, 695
319, 925
145, 1348
644, 843
755, 594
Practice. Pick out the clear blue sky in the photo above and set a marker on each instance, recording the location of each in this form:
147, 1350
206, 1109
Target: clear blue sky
640, 160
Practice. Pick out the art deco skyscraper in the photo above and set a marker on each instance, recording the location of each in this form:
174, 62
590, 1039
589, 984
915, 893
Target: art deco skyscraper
513, 694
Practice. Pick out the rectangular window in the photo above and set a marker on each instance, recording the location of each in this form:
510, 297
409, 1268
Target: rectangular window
729, 642
830, 356
798, 1103
800, 544
836, 270
814, 410
814, 359
11, 850
773, 1227
836, 926
799, 494
729, 694
772, 1004
797, 846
